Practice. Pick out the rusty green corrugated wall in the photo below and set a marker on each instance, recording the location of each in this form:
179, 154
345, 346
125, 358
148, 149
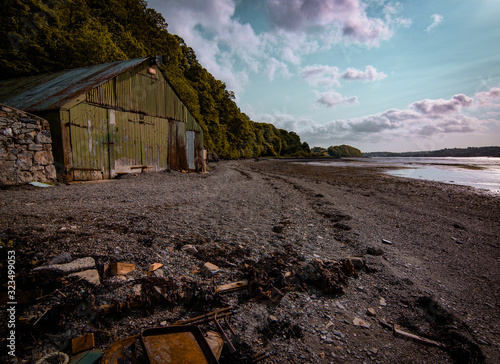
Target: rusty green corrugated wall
135, 120
88, 129
138, 90
106, 142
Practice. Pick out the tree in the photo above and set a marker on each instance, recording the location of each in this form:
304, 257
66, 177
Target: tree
340, 151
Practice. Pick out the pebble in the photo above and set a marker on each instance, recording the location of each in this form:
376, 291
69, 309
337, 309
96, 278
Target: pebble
188, 248
358, 322
272, 318
339, 305
338, 333
382, 302
91, 276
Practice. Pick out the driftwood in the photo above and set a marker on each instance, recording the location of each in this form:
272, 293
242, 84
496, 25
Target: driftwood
230, 287
419, 339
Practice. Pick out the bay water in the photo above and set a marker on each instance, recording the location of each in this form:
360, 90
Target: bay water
482, 173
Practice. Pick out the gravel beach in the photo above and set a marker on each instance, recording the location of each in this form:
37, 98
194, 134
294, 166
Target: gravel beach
429, 262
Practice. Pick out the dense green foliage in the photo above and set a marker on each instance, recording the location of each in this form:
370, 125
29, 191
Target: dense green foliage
340, 151
319, 152
454, 152
52, 35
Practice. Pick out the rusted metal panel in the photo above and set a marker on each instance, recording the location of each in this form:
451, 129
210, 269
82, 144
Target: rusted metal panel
104, 94
181, 146
52, 91
140, 143
154, 143
177, 145
88, 130
172, 145
127, 139
190, 149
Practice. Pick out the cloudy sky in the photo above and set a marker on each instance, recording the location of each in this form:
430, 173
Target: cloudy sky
380, 75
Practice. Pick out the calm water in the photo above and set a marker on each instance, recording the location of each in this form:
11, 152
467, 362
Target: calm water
479, 172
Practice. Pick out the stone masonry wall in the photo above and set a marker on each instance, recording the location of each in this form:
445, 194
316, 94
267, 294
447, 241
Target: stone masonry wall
25, 148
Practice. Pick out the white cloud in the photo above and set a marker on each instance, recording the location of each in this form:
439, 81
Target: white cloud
332, 99
321, 75
328, 76
218, 39
370, 74
488, 99
443, 107
421, 120
436, 20
349, 16
232, 50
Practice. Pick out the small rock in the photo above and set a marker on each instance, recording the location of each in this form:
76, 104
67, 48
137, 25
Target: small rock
371, 312
209, 269
356, 262
382, 302
163, 323
358, 322
338, 333
374, 251
272, 318
91, 276
374, 351
74, 266
159, 273
191, 249
136, 290
387, 242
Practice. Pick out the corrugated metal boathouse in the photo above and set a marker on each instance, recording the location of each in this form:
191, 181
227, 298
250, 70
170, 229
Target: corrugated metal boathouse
110, 119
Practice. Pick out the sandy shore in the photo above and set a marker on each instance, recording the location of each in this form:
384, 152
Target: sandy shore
439, 277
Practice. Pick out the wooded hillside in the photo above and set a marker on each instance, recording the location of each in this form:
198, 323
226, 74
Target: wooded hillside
453, 152
38, 37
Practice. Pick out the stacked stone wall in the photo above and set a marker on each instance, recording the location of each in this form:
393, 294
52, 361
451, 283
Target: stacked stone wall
25, 148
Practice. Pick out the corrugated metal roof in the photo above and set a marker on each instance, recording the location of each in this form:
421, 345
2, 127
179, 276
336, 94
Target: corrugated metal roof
51, 91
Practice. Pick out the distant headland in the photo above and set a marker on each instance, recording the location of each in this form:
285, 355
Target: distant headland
454, 152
